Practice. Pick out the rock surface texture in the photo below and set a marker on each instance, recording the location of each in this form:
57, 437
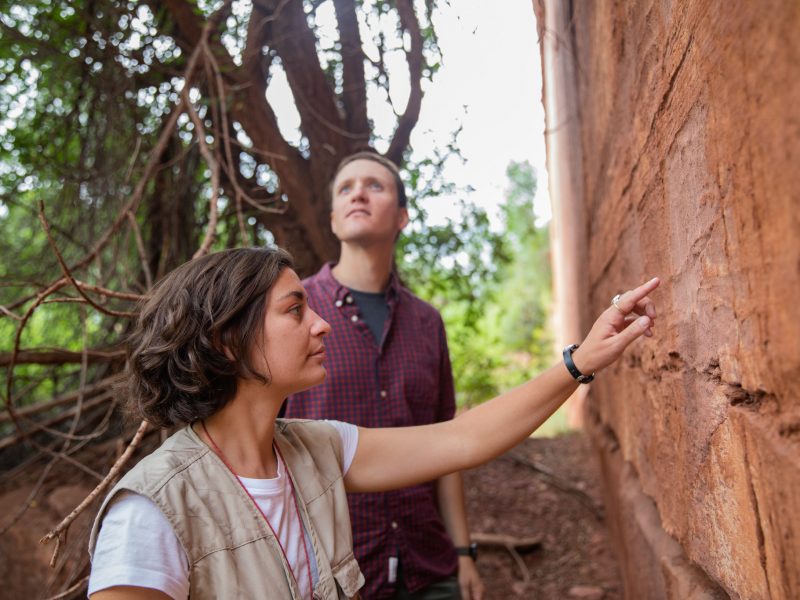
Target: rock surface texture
688, 132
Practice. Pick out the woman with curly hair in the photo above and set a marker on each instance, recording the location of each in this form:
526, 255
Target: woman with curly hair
241, 504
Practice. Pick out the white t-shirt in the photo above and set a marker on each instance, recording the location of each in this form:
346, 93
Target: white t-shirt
137, 546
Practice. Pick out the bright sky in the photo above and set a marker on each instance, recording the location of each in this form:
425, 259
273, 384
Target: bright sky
489, 82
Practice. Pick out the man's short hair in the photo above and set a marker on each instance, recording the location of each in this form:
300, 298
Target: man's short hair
402, 200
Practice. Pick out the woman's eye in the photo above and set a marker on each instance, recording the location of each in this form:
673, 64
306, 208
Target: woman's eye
296, 310
376, 186
344, 189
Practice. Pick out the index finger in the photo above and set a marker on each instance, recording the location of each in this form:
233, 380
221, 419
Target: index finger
629, 299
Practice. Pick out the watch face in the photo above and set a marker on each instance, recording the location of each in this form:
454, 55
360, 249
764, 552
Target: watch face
471, 551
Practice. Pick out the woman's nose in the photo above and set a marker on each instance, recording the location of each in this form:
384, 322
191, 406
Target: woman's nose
320, 327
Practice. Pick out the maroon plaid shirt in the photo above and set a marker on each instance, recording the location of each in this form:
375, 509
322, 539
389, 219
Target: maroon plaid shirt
406, 381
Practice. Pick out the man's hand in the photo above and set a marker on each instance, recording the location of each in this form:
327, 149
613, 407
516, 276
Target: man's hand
469, 581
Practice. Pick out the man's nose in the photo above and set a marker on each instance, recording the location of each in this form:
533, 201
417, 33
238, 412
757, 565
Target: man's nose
357, 194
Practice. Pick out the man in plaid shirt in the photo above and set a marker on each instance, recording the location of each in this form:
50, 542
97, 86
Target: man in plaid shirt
388, 366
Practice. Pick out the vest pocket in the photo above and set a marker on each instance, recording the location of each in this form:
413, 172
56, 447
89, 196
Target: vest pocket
348, 577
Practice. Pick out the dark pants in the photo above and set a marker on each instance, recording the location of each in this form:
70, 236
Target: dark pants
446, 589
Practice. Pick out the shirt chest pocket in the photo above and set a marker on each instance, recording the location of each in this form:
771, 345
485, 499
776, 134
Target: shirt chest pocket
420, 386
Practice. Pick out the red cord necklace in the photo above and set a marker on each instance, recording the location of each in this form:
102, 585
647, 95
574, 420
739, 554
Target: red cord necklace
272, 529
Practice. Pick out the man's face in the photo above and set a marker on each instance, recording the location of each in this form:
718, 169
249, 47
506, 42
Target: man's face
364, 208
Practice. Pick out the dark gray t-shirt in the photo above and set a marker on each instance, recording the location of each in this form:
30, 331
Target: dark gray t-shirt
374, 310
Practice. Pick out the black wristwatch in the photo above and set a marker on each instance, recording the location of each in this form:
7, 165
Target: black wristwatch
471, 551
573, 370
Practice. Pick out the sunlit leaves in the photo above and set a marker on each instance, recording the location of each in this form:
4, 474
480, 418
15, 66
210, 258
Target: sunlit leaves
492, 287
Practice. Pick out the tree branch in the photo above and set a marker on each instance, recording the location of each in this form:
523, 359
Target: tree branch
48, 423
59, 357
68, 274
402, 134
61, 528
101, 386
354, 88
294, 41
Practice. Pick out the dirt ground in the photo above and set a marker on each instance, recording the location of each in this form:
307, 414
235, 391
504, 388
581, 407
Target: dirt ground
507, 496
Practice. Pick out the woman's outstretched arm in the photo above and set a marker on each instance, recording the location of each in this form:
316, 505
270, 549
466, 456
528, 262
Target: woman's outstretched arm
399, 457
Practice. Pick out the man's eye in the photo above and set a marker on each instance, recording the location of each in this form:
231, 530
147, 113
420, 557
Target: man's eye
376, 186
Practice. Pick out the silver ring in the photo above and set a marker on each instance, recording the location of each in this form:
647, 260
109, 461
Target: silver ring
615, 302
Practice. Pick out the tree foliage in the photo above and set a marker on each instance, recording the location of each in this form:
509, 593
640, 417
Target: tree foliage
150, 132
134, 135
493, 288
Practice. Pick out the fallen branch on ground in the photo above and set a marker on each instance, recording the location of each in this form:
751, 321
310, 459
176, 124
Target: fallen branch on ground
523, 545
560, 483
514, 545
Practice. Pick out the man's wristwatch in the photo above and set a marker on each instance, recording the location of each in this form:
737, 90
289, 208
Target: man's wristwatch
471, 551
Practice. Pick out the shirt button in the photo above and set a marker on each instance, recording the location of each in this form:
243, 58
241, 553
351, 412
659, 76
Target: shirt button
338, 304
394, 524
354, 318
349, 299
383, 394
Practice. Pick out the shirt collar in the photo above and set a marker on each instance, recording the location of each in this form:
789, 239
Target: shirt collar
340, 292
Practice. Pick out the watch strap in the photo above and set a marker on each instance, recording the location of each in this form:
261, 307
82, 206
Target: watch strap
570, 364
471, 551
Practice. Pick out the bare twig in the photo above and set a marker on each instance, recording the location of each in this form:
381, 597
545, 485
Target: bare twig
79, 559
213, 214
229, 166
110, 293
68, 274
526, 574
29, 500
9, 313
148, 277
63, 416
76, 463
57, 356
71, 590
133, 159
100, 386
40, 297
81, 385
67, 300
59, 540
99, 489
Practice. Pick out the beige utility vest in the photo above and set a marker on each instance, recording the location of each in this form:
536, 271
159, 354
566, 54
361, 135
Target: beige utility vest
231, 549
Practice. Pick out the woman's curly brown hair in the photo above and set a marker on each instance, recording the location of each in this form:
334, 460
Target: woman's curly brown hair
193, 336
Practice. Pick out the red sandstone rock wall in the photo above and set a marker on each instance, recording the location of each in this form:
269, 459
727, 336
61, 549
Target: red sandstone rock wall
688, 130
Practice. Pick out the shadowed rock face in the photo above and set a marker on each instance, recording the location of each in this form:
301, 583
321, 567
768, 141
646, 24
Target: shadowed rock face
690, 143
